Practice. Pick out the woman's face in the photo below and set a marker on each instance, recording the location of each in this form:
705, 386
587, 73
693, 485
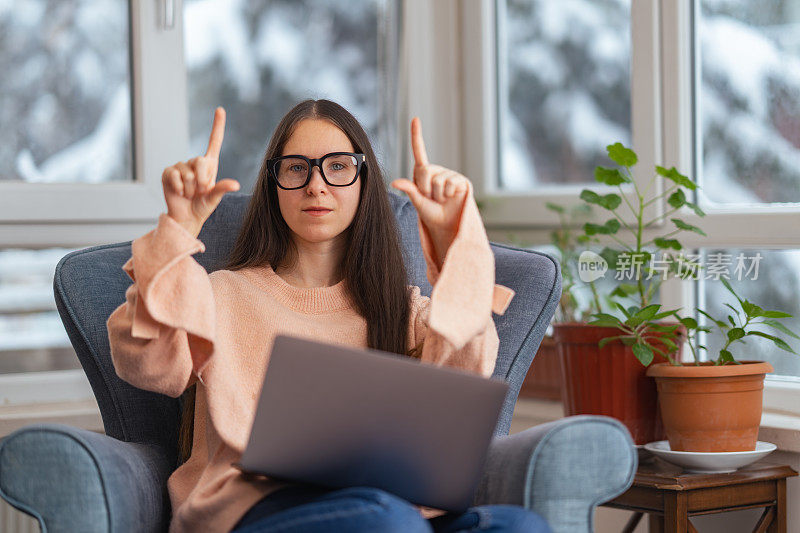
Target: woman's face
314, 138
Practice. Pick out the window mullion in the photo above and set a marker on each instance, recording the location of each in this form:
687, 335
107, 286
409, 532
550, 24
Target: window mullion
429, 73
160, 99
479, 104
676, 128
646, 95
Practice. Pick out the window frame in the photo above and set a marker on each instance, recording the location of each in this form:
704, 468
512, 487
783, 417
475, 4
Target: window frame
82, 215
482, 103
664, 122
727, 225
447, 78
34, 215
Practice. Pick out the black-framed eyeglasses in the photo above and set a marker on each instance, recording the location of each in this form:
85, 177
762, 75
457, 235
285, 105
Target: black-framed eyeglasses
338, 169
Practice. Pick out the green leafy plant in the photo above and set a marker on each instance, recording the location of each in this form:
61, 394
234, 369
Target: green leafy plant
639, 321
566, 241
642, 332
738, 326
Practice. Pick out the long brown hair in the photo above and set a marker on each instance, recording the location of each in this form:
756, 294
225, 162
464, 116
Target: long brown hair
373, 267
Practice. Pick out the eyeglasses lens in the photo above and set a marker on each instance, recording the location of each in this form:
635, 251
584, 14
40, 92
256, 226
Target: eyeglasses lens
338, 170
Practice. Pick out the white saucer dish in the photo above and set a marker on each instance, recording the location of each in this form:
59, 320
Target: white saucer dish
709, 462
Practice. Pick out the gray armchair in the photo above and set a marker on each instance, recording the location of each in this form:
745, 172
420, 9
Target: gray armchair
76, 480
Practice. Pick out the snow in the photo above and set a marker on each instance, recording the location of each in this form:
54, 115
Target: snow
93, 158
584, 123
568, 19
611, 47
277, 43
89, 74
565, 60
30, 72
715, 171
44, 109
102, 24
743, 82
536, 56
569, 65
746, 61
518, 168
218, 30
27, 15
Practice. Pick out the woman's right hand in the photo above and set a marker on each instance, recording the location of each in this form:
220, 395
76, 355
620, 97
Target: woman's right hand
191, 188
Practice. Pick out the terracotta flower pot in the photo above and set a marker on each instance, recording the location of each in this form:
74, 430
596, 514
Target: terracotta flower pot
608, 381
709, 408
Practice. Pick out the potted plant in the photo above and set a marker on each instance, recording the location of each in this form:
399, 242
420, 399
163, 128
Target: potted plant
715, 406
604, 361
543, 379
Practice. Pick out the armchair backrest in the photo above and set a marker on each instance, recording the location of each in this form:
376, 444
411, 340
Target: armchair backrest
90, 283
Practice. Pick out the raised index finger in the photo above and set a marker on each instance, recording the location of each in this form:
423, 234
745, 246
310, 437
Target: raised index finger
217, 132
417, 144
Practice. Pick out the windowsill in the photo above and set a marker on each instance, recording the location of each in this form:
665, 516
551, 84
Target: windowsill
529, 412
83, 414
780, 429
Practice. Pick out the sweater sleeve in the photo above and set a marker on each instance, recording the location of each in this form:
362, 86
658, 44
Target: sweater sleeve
455, 324
162, 336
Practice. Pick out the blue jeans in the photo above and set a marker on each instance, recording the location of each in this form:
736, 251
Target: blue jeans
311, 509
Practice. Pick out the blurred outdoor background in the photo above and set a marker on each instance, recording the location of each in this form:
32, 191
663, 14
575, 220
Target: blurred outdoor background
563, 88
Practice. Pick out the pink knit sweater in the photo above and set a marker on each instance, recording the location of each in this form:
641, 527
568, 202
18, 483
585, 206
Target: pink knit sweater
180, 325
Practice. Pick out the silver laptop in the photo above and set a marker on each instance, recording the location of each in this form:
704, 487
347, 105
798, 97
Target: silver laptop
335, 416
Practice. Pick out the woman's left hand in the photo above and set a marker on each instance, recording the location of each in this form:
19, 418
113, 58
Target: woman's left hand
437, 193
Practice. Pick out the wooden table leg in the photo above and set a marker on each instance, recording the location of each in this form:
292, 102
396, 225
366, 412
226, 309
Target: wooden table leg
655, 523
766, 520
633, 521
675, 512
779, 523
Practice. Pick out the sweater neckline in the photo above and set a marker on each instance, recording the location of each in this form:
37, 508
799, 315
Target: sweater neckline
303, 299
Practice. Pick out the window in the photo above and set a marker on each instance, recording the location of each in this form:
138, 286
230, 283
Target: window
37, 362
66, 131
66, 108
562, 75
747, 142
564, 89
750, 100
85, 122
85, 129
769, 278
712, 91
266, 57
88, 127
32, 337
539, 86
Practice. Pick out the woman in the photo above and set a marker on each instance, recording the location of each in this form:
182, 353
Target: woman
318, 255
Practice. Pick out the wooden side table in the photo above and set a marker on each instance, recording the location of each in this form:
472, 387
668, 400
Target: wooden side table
671, 496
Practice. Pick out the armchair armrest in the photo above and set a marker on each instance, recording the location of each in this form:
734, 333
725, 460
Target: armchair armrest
562, 469
71, 479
